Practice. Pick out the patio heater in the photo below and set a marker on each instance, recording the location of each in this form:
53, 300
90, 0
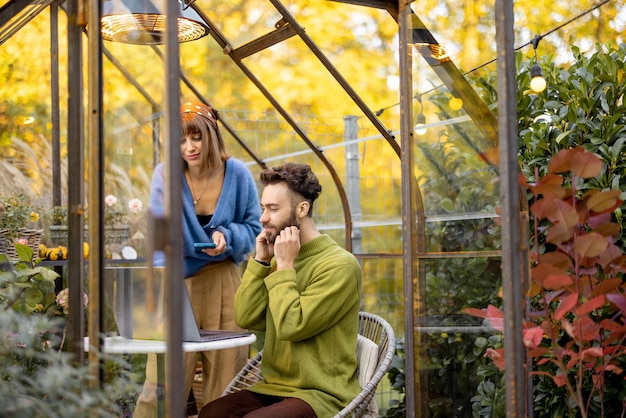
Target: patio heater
142, 22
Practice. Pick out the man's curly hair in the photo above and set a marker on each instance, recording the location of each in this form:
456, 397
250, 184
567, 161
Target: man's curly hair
299, 178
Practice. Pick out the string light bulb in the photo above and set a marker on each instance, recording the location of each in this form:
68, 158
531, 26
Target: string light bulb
420, 121
455, 103
537, 82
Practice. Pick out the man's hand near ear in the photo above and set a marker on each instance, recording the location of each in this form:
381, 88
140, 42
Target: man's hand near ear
287, 247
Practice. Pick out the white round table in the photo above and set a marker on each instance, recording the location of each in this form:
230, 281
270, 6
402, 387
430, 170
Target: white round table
121, 345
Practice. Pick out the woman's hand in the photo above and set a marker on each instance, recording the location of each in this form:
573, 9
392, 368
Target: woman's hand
220, 244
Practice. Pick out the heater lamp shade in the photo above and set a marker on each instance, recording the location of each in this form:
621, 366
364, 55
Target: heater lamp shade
142, 22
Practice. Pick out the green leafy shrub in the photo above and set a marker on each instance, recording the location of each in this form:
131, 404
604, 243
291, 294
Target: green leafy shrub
582, 107
575, 326
37, 380
396, 375
29, 287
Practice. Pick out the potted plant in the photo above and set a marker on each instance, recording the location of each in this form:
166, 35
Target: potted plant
58, 226
115, 221
120, 221
17, 225
58, 216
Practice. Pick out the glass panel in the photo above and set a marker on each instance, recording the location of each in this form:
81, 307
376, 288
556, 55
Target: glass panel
460, 266
136, 299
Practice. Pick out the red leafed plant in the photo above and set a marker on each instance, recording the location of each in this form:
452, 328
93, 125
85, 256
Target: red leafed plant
574, 327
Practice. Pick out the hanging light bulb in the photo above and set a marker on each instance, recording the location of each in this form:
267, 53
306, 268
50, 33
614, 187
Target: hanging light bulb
420, 121
537, 82
455, 103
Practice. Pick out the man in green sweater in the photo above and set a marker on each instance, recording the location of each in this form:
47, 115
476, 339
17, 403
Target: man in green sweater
304, 291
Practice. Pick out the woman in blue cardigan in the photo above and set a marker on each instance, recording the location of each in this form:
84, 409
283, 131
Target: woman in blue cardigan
220, 205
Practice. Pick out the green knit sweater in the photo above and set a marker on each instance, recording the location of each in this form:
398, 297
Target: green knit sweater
310, 319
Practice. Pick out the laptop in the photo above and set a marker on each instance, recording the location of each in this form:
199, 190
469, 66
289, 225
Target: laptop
138, 300
191, 332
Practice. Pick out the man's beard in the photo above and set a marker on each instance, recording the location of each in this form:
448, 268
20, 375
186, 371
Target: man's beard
291, 221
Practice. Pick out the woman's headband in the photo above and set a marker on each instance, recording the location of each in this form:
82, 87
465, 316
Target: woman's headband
200, 109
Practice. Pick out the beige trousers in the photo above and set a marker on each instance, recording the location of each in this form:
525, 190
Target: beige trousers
212, 294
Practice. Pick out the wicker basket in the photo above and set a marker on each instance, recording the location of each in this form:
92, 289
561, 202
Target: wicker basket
31, 236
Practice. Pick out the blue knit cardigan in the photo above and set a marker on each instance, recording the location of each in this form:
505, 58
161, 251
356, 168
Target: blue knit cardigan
236, 215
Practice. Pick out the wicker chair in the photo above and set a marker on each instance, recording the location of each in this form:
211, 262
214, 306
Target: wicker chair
376, 346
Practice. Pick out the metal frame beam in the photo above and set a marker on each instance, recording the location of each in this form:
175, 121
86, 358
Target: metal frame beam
514, 241
390, 5
282, 32
17, 13
228, 49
